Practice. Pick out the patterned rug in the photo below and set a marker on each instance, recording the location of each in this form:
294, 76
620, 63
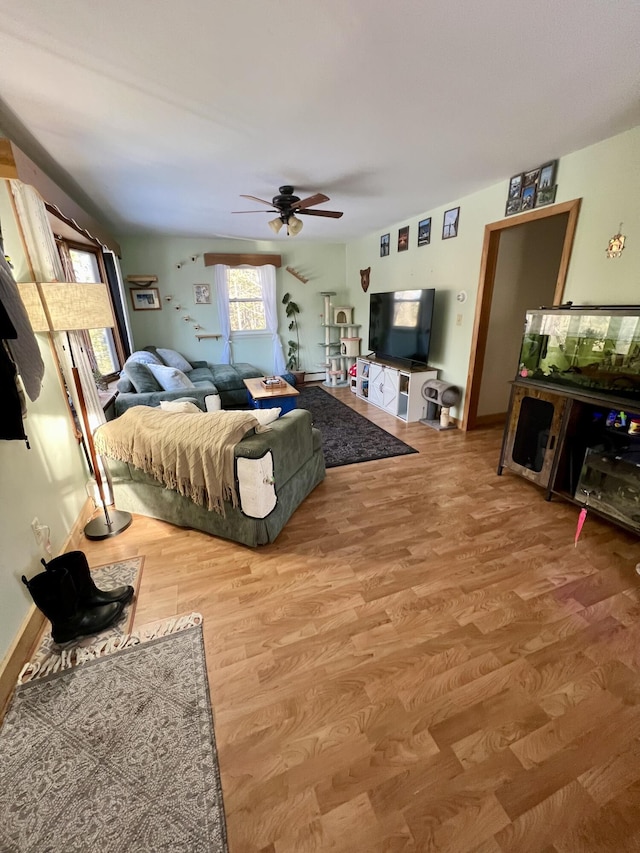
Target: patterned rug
347, 437
50, 657
116, 755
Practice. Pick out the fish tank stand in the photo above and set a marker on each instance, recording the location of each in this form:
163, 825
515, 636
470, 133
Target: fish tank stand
582, 447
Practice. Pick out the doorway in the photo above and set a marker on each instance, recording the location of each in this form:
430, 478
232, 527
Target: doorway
538, 246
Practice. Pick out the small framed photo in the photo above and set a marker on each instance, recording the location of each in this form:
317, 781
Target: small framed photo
146, 299
403, 239
546, 196
515, 186
384, 245
547, 176
514, 205
530, 179
424, 232
450, 223
528, 198
201, 294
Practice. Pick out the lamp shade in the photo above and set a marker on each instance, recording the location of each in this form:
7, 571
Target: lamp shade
33, 304
275, 225
66, 306
294, 225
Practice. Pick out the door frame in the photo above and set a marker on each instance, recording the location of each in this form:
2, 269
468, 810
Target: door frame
488, 264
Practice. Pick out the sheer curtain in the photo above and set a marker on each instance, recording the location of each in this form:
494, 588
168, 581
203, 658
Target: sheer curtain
46, 266
222, 300
267, 279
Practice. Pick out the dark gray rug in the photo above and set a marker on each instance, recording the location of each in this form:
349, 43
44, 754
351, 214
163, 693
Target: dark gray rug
115, 756
347, 437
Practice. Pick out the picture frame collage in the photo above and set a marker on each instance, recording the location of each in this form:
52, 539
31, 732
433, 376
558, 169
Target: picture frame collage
450, 223
534, 188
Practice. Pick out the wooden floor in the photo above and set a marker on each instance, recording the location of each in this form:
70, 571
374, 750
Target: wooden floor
422, 662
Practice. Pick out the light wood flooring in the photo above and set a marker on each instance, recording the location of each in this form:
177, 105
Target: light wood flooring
423, 661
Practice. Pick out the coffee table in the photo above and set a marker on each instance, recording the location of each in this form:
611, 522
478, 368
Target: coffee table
283, 395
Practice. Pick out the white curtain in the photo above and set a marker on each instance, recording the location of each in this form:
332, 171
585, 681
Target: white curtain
267, 279
47, 266
222, 299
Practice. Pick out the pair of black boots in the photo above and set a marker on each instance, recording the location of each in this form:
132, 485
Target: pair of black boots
67, 595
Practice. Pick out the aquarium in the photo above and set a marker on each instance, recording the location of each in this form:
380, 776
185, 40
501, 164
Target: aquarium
593, 349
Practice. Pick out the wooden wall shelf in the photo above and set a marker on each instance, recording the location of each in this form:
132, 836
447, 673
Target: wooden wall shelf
142, 280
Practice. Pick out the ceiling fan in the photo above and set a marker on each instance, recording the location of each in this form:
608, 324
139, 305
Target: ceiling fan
287, 206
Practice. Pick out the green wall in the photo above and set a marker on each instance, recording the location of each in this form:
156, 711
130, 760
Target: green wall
606, 176
47, 481
322, 264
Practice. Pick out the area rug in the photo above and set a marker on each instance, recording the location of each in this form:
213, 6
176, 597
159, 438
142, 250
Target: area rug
116, 755
50, 657
347, 437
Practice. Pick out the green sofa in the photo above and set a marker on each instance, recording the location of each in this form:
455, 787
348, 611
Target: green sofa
298, 467
223, 379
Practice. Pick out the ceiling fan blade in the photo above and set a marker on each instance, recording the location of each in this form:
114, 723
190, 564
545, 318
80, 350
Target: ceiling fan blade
318, 198
255, 198
334, 214
255, 211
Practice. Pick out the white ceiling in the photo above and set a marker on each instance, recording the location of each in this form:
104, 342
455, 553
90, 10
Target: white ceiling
165, 112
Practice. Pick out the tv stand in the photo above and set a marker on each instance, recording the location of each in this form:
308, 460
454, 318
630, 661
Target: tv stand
396, 390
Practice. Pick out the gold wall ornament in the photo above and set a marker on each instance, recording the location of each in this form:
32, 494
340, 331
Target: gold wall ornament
616, 244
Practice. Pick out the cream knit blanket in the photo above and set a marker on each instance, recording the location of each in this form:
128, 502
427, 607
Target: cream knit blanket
191, 453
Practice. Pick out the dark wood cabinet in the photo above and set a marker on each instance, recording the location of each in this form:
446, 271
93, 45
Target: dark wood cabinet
533, 426
581, 447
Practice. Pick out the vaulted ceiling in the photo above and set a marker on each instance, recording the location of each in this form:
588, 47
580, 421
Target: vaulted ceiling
164, 113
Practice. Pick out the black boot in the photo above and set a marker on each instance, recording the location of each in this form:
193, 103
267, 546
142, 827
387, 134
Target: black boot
55, 595
75, 562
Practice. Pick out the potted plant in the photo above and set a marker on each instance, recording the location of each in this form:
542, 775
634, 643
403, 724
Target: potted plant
293, 355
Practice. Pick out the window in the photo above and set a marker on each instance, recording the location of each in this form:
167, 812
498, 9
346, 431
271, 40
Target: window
246, 305
84, 265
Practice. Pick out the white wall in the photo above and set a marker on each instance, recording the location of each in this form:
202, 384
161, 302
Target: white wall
323, 266
606, 176
47, 481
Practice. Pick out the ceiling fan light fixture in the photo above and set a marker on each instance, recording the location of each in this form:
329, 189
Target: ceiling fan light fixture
275, 224
294, 225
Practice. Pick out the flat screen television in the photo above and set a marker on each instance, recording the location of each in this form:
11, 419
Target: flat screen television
400, 324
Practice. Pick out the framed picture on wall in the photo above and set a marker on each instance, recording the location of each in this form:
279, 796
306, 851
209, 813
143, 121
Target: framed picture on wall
546, 196
528, 198
201, 294
403, 239
424, 232
515, 186
450, 223
384, 245
547, 175
146, 299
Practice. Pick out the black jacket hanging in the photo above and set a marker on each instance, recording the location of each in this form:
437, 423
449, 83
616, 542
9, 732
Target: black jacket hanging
11, 424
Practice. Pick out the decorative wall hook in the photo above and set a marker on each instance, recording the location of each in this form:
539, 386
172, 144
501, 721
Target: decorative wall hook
616, 244
168, 298
187, 318
178, 307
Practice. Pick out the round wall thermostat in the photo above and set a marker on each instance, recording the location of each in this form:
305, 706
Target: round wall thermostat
462, 296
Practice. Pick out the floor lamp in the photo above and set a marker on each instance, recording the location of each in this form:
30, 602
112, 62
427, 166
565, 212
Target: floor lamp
67, 307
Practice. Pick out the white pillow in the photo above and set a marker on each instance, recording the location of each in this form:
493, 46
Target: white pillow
265, 417
180, 406
169, 378
174, 359
144, 357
